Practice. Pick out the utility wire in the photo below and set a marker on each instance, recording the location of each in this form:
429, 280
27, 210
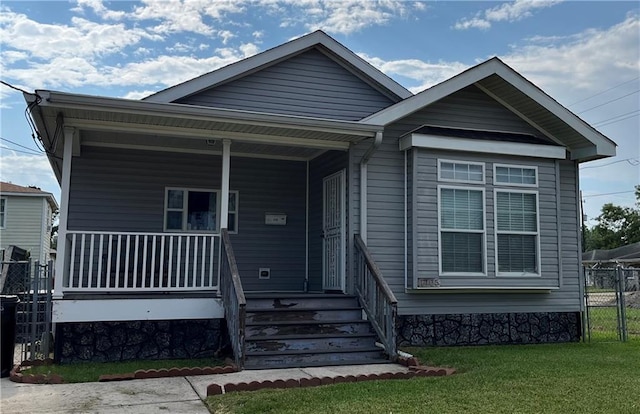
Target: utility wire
17, 150
631, 161
604, 194
21, 146
615, 117
608, 102
605, 91
617, 120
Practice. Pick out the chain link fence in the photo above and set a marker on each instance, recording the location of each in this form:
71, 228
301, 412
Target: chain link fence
32, 283
612, 298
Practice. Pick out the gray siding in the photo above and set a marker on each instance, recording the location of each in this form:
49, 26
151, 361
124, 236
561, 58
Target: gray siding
308, 84
469, 108
23, 225
123, 190
322, 166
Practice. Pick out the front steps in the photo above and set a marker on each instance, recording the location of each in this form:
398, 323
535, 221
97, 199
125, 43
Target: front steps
307, 330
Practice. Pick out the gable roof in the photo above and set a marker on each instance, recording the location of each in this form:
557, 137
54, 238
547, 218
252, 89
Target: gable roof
317, 39
519, 95
18, 190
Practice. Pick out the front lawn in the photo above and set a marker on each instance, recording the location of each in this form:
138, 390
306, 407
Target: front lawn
553, 378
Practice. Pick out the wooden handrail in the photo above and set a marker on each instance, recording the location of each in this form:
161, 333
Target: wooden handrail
233, 299
375, 270
233, 267
376, 298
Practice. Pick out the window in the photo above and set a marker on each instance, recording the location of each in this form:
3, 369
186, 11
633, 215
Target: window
3, 212
197, 210
461, 220
516, 175
517, 233
461, 171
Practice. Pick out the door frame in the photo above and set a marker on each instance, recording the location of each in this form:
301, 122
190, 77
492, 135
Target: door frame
342, 254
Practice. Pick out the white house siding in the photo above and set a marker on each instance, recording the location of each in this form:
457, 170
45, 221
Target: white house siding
468, 108
124, 190
23, 225
308, 84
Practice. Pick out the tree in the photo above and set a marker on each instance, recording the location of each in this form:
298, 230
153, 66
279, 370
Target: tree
616, 226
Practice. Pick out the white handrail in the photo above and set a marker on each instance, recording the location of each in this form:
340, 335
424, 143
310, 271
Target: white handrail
107, 261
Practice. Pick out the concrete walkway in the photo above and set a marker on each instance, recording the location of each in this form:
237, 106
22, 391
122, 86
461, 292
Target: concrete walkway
158, 395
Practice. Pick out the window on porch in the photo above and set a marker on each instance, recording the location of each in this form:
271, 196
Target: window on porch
195, 210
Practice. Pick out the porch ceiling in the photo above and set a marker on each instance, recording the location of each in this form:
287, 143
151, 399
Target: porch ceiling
171, 127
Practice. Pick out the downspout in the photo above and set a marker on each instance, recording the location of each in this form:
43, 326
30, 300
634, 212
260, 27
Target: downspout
363, 183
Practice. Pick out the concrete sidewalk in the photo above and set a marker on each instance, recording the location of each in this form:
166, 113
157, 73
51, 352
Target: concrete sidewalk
158, 395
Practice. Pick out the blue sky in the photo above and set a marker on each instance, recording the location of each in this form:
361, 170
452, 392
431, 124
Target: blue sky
584, 54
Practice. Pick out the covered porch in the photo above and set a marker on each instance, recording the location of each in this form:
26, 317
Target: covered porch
153, 185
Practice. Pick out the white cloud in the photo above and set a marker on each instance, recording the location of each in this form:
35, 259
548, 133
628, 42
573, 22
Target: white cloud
138, 94
510, 12
81, 38
99, 9
339, 17
423, 74
28, 170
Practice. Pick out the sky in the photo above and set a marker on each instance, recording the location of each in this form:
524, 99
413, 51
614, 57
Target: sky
586, 55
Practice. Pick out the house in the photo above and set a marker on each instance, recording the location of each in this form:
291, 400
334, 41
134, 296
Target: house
269, 203
26, 217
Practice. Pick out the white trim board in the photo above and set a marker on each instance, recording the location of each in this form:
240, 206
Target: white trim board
136, 309
488, 147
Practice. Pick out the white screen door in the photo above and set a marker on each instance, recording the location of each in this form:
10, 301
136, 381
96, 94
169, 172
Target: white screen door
333, 231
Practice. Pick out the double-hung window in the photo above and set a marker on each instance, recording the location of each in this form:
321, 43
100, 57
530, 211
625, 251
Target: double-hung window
197, 210
517, 222
462, 230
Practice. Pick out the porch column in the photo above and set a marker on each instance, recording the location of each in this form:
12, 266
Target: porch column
61, 248
226, 164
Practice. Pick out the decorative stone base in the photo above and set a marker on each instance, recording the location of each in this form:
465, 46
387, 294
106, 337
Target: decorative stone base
488, 328
139, 340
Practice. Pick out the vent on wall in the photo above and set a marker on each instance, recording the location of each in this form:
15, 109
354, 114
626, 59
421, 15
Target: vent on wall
264, 273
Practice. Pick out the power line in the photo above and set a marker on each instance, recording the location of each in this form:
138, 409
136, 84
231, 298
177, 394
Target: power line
608, 102
617, 120
24, 152
21, 146
605, 91
631, 161
604, 194
615, 117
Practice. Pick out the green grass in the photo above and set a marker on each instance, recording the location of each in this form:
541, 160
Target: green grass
553, 378
604, 325
89, 372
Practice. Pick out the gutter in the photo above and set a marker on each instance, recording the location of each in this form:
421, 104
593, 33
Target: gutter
363, 183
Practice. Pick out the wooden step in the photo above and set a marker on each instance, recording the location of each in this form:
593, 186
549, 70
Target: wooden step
300, 315
315, 343
263, 360
307, 328
257, 302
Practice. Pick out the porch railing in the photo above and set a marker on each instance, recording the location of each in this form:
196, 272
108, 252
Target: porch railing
99, 261
233, 299
377, 299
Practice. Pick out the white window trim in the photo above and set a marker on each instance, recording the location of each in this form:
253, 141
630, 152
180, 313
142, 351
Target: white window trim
453, 180
483, 231
530, 167
3, 222
185, 207
536, 233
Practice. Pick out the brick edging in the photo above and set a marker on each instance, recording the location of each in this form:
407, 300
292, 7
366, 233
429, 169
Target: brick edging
415, 370
16, 374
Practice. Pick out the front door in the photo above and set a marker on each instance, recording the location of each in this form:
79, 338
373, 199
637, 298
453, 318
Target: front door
333, 231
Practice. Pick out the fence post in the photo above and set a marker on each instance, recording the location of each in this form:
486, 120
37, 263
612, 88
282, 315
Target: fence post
586, 321
623, 308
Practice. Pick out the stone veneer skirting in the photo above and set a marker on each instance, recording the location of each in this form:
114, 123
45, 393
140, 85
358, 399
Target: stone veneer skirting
136, 340
488, 328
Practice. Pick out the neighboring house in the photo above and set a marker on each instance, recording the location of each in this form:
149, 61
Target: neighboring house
628, 255
26, 217
451, 214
